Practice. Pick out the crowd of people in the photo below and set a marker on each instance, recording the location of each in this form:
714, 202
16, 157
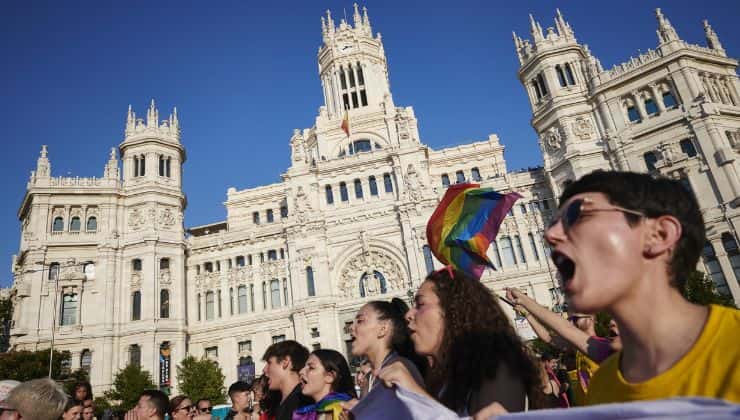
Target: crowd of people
623, 244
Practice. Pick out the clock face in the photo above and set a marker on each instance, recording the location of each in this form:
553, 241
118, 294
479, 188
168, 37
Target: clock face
345, 48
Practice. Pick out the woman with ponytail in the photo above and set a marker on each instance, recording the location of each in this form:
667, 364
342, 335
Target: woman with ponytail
381, 335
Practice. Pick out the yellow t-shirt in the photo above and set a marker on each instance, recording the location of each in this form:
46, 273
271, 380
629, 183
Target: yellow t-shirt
580, 377
710, 369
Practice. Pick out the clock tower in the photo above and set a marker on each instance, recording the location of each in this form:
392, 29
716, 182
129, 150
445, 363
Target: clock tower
352, 66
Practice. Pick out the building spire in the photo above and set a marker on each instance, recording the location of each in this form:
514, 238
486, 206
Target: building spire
43, 166
152, 116
111, 168
564, 29
365, 19
356, 16
329, 22
712, 38
535, 29
666, 32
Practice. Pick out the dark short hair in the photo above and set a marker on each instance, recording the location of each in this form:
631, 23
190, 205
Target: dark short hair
158, 399
201, 400
238, 386
174, 402
288, 348
655, 197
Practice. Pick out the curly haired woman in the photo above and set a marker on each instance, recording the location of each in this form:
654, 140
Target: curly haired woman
476, 356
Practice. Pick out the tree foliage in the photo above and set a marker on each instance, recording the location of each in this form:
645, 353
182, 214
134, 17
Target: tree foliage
201, 378
128, 384
26, 365
700, 289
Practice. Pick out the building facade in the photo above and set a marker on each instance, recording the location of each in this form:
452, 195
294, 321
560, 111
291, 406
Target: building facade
107, 270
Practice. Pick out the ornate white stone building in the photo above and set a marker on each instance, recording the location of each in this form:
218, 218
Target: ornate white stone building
107, 270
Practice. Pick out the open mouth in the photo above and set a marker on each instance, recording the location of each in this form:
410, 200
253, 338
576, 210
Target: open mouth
566, 267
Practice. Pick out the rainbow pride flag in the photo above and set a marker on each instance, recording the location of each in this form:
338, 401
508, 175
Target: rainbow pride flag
465, 223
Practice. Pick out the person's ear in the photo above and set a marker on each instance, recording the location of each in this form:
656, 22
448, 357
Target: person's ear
286, 363
330, 377
663, 233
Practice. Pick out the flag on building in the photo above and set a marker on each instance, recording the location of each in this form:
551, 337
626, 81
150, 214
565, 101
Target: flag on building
345, 122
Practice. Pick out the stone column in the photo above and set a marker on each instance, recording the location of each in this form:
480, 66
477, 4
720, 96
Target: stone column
639, 104
657, 97
727, 271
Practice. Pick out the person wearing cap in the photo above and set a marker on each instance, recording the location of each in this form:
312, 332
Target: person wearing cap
239, 395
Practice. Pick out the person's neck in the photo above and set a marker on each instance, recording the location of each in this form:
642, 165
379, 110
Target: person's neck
657, 327
376, 356
321, 395
288, 385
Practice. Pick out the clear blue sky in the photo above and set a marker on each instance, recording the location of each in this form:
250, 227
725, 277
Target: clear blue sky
244, 74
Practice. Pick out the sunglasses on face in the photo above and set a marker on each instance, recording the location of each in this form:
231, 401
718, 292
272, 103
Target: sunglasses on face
205, 409
570, 214
187, 407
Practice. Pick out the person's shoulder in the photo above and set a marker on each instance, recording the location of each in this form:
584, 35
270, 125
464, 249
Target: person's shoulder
605, 376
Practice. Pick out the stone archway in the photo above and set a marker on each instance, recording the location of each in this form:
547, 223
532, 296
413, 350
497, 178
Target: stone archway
370, 266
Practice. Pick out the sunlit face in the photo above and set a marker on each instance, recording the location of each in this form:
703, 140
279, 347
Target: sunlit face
614, 335
316, 380
276, 371
143, 408
368, 332
9, 414
88, 413
185, 410
73, 413
240, 400
599, 257
426, 321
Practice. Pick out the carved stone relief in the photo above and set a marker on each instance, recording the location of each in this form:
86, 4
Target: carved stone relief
368, 263
583, 128
552, 139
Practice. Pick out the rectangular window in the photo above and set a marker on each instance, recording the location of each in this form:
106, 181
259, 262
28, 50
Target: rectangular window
460, 177
245, 347
134, 355
329, 195
251, 296
210, 306
275, 293
240, 261
355, 104
650, 107
388, 183
343, 191
136, 306
272, 255
231, 301
445, 180
69, 309
283, 212
218, 296
363, 97
167, 165
520, 248
358, 188
212, 353
373, 186
270, 217
256, 218
161, 165
164, 303
345, 99
533, 244
278, 338
509, 259
669, 100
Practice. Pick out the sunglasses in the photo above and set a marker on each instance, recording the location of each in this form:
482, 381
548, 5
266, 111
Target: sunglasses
205, 409
569, 215
187, 407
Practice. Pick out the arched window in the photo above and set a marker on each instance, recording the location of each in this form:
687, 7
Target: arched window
687, 146
88, 269
632, 113
388, 183
714, 270
360, 77
371, 284
569, 74
242, 299
733, 253
358, 188
329, 195
136, 264
650, 160
445, 180
343, 191
542, 84
650, 107
134, 355
136, 306
561, 75
428, 258
373, 186
210, 306
669, 100
58, 225
164, 303
360, 146
164, 264
309, 282
342, 78
275, 293
507, 249
459, 177
475, 174
92, 224
86, 361
142, 165
351, 74
53, 271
